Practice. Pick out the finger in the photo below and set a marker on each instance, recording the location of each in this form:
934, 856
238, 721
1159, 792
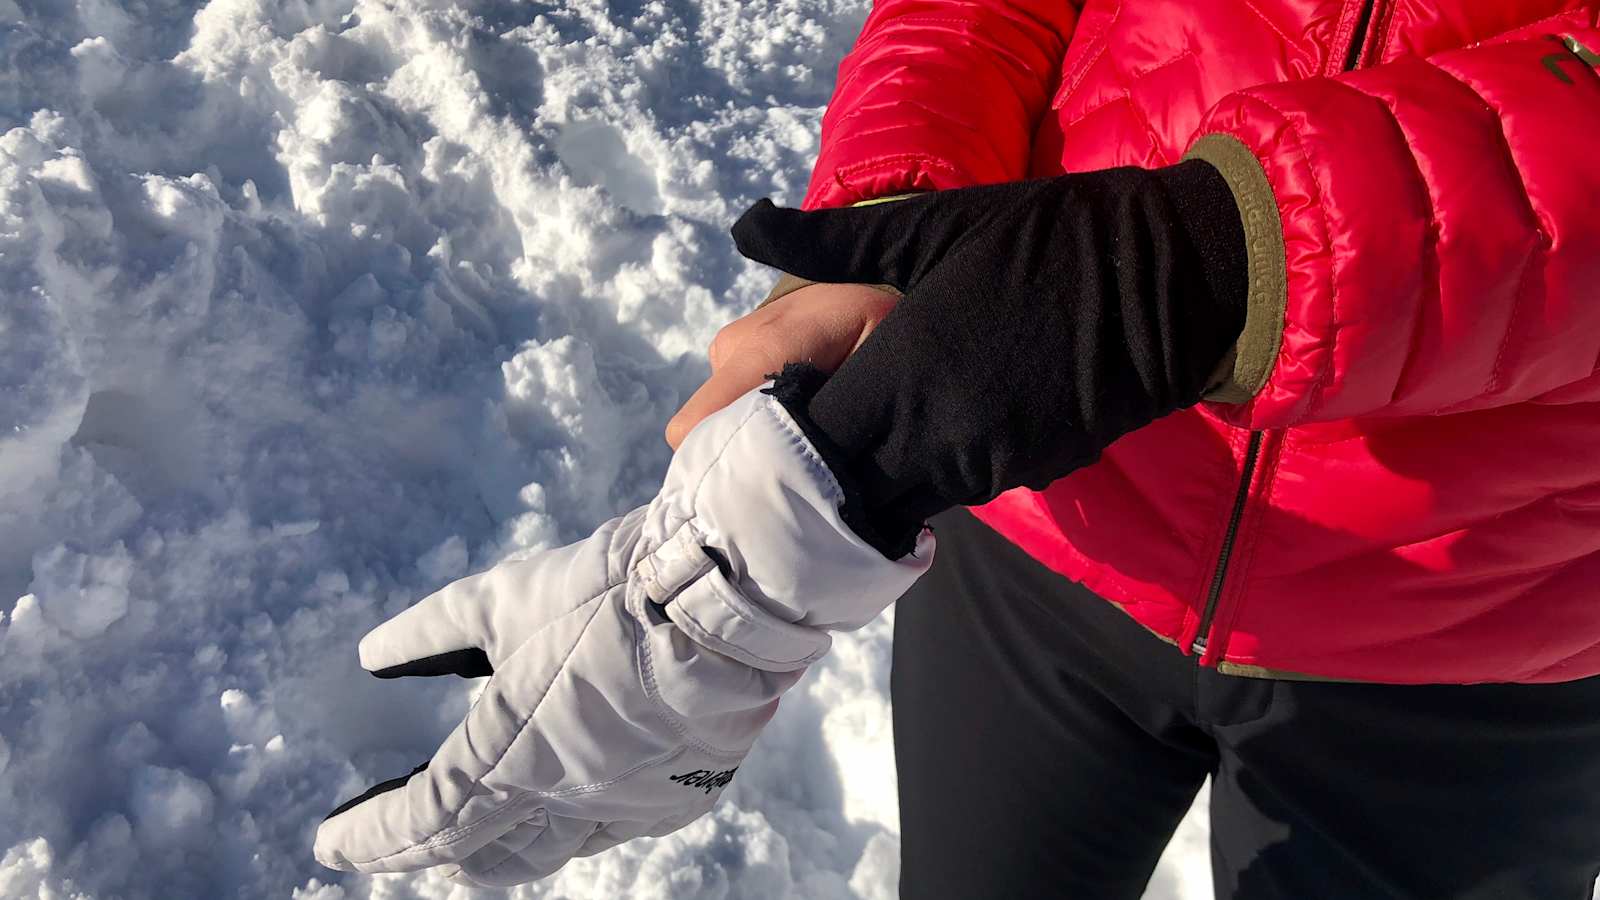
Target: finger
464, 798
821, 329
442, 634
736, 378
878, 244
527, 853
396, 826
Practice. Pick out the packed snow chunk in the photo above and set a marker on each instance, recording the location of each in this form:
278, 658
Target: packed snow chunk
248, 721
445, 562
27, 873
169, 807
80, 594
316, 890
878, 872
187, 206
5, 754
598, 154
43, 388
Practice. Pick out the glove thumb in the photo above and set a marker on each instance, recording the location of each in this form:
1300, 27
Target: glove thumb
874, 244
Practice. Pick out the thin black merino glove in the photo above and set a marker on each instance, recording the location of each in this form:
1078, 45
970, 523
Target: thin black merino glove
1042, 320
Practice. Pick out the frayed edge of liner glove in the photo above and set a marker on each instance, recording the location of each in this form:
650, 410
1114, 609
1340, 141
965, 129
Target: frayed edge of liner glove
631, 671
1042, 320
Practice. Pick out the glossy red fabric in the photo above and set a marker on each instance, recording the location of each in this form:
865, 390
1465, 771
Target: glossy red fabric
1425, 500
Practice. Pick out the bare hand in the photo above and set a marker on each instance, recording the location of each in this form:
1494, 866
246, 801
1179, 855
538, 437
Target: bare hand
821, 324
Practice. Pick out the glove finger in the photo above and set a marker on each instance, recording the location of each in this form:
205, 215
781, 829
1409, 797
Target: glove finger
387, 828
474, 625
878, 244
614, 833
442, 634
470, 626
464, 798
526, 853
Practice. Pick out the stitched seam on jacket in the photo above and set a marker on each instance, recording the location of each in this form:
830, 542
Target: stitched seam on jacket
448, 835
1288, 42
1383, 34
1122, 95
1542, 244
890, 162
1343, 34
1104, 37
871, 107
950, 125
1126, 92
1501, 37
881, 162
985, 147
890, 28
1327, 373
1156, 143
1433, 290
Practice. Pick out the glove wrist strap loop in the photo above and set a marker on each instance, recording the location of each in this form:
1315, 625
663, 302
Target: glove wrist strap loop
717, 616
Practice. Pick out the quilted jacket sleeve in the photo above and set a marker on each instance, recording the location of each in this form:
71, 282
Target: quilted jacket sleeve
1424, 235
939, 94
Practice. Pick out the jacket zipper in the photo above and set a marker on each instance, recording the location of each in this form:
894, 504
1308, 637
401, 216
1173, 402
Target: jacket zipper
1219, 577
1358, 41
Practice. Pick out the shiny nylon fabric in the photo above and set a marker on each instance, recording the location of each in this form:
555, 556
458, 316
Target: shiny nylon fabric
1425, 505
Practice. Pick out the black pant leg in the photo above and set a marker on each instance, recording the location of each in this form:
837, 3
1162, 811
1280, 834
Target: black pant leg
1438, 792
1042, 737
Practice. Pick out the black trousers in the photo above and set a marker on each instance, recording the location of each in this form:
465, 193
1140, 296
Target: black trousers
1048, 746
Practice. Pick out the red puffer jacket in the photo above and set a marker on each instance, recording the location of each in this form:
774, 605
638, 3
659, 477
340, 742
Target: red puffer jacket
1401, 481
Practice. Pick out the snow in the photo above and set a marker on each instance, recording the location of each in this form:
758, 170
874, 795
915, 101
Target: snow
311, 306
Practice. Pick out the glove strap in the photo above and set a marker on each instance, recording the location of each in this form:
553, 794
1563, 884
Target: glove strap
682, 578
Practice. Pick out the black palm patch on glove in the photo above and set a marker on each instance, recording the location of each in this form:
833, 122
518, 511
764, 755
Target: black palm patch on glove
469, 663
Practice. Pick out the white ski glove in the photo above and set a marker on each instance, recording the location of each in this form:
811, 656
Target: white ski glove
631, 670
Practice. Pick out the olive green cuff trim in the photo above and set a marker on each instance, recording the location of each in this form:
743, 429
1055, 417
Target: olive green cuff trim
1245, 670
1245, 370
889, 199
788, 284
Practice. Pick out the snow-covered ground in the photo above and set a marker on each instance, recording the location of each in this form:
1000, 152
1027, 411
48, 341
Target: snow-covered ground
308, 307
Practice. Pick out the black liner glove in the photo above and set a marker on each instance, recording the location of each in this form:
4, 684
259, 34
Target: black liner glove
1042, 320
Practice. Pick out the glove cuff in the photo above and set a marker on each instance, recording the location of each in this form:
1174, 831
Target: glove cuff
750, 550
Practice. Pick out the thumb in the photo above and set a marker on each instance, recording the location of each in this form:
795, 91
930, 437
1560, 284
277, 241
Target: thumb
880, 243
